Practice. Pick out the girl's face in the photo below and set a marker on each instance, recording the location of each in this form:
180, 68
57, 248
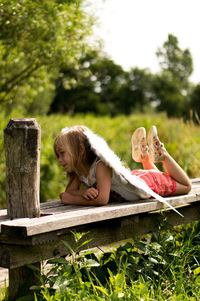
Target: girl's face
64, 159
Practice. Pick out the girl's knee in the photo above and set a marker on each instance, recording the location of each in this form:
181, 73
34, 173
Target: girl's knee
189, 187
183, 188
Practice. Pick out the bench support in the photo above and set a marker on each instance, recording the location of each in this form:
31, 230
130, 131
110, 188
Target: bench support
22, 151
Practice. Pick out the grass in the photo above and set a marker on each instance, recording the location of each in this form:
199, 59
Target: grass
163, 265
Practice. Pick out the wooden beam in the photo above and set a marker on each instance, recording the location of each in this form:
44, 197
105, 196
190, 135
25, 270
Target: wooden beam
22, 151
86, 215
101, 233
20, 287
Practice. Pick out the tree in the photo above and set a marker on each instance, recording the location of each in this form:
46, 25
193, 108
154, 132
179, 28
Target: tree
36, 39
103, 87
175, 61
168, 96
172, 86
93, 87
136, 93
195, 102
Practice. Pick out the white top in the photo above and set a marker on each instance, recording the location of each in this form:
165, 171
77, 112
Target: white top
118, 183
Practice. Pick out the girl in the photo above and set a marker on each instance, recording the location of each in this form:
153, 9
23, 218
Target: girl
89, 161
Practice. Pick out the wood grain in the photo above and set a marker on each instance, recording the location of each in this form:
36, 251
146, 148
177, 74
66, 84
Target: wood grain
22, 152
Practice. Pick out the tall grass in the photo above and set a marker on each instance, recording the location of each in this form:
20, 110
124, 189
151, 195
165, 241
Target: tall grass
182, 140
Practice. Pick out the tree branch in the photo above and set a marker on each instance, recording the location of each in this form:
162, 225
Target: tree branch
17, 80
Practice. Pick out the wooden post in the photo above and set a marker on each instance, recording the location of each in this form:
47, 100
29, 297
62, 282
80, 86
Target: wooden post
22, 150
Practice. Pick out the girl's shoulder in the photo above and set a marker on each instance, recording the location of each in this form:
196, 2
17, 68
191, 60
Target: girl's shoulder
103, 170
102, 165
90, 179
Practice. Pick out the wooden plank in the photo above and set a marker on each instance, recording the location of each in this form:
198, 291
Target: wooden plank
55, 207
52, 203
101, 233
3, 212
29, 227
195, 180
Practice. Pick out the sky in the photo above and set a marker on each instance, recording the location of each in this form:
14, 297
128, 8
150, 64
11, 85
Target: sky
133, 30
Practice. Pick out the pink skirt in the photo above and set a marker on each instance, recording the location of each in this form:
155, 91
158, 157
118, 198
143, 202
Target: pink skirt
159, 182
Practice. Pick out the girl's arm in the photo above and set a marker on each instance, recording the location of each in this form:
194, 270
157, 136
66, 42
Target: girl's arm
91, 196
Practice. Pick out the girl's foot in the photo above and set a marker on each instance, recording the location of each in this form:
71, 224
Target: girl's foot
156, 148
139, 145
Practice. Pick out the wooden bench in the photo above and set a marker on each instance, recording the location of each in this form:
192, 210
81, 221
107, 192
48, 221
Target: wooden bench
26, 240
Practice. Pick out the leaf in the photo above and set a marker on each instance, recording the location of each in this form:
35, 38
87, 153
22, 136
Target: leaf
33, 267
120, 295
152, 259
136, 254
84, 243
60, 282
85, 254
78, 235
35, 288
92, 263
102, 290
57, 260
196, 271
67, 245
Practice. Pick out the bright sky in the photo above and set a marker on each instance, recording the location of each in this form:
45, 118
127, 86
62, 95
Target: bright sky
133, 30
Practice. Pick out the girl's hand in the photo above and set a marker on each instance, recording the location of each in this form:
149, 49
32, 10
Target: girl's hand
90, 193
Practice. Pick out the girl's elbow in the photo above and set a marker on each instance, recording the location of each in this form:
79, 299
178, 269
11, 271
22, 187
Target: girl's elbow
102, 201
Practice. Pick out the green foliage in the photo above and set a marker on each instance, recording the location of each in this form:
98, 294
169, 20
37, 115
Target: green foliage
102, 87
176, 61
36, 39
4, 292
171, 86
195, 102
181, 139
163, 265
169, 96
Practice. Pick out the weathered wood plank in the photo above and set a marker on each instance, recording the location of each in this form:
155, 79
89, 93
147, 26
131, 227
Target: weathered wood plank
101, 233
195, 180
3, 212
29, 227
56, 204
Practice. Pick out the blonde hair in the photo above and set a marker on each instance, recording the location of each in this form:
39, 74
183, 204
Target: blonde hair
72, 139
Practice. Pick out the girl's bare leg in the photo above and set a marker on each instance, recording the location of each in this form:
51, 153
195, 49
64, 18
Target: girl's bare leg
159, 154
148, 164
183, 184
